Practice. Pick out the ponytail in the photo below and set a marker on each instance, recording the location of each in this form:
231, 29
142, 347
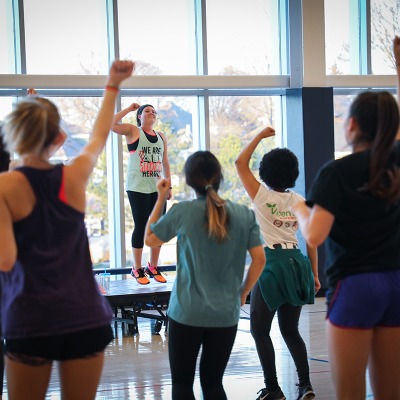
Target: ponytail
217, 217
377, 115
203, 173
384, 179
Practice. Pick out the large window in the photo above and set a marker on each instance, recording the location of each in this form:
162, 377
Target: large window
215, 70
341, 109
385, 24
6, 38
66, 37
78, 115
160, 36
337, 40
244, 40
5, 106
233, 122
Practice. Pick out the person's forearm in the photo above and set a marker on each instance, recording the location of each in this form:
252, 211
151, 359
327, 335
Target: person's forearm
102, 124
166, 170
302, 213
312, 254
252, 276
155, 214
245, 155
315, 224
255, 269
118, 116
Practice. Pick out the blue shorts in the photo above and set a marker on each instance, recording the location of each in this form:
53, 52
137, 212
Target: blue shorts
366, 300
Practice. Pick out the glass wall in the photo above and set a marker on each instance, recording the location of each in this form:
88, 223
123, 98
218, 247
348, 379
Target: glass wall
6, 38
5, 106
160, 36
245, 40
341, 108
66, 37
78, 115
337, 40
385, 24
219, 73
234, 120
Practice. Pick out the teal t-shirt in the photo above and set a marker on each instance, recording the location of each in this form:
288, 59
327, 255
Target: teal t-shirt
206, 291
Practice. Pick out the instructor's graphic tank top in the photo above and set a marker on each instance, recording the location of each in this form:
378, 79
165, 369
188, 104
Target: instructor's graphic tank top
145, 165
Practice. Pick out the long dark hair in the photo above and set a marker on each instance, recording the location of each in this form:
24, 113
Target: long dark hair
377, 115
204, 174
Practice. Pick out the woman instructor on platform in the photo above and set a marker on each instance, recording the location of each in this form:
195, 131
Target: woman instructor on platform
148, 161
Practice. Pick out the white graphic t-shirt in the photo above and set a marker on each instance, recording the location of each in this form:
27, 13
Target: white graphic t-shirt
278, 224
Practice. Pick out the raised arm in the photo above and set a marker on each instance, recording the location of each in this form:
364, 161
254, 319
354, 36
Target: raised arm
84, 163
163, 189
250, 183
124, 129
166, 166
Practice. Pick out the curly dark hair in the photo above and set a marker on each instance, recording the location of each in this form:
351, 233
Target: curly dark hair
279, 169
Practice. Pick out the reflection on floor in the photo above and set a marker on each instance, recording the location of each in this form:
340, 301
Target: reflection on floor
137, 367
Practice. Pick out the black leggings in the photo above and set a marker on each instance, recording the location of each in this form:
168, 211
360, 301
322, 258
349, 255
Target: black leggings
141, 205
184, 344
288, 318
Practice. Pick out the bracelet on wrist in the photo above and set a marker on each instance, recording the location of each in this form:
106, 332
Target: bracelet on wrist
112, 88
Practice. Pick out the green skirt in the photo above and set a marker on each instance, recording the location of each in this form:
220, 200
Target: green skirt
287, 278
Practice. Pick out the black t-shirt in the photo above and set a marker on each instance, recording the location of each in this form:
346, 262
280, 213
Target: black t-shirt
365, 236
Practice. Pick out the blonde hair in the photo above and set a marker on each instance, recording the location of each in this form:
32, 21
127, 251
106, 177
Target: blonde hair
32, 126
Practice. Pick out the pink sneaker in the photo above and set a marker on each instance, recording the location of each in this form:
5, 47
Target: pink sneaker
153, 272
140, 276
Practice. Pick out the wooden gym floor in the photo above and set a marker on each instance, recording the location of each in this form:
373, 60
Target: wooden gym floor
136, 367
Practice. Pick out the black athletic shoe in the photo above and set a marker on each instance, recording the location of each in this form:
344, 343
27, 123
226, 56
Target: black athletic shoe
306, 392
266, 394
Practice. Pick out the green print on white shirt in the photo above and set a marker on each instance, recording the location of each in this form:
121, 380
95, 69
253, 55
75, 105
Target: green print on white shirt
280, 214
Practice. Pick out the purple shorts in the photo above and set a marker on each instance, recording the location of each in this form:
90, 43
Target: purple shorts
366, 300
